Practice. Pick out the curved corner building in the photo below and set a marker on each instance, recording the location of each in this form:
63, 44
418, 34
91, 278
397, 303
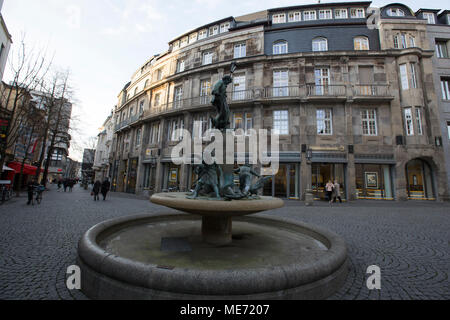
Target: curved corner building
352, 103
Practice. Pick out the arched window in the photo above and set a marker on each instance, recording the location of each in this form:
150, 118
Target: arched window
320, 44
280, 47
361, 43
395, 12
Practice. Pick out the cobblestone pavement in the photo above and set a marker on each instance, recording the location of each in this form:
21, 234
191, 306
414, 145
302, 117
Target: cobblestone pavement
408, 241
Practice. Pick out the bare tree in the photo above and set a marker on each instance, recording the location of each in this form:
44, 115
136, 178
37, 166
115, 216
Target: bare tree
58, 110
29, 68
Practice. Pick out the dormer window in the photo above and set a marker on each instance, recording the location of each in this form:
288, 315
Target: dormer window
279, 18
325, 14
202, 34
341, 14
361, 43
193, 38
294, 16
280, 47
184, 42
429, 17
309, 15
176, 45
395, 12
357, 13
320, 44
213, 31
224, 27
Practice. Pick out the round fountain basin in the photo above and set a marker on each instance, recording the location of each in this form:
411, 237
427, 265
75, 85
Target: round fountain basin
164, 257
216, 208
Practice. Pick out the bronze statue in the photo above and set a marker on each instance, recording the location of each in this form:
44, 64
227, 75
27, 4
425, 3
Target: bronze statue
219, 100
207, 182
245, 178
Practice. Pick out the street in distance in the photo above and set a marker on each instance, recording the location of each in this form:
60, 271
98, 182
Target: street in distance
237, 309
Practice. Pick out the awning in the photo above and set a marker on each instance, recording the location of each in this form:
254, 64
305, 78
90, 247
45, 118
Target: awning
5, 168
27, 169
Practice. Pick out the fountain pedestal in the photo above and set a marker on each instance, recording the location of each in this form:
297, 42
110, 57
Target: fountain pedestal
217, 231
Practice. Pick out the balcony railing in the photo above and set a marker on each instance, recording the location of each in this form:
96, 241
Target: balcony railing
370, 90
314, 90
235, 97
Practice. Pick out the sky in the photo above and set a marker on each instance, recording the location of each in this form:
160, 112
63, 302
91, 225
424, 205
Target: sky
103, 42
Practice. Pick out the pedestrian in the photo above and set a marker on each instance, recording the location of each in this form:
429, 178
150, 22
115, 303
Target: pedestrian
65, 184
71, 184
96, 190
31, 185
337, 191
59, 185
329, 189
106, 185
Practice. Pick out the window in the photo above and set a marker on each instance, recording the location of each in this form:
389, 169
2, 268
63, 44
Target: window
141, 107
361, 43
240, 50
413, 76
154, 133
412, 42
131, 112
243, 121
136, 90
180, 66
325, 14
320, 44
224, 27
395, 12
157, 99
205, 91
159, 74
184, 42
294, 16
280, 83
279, 18
340, 14
357, 13
322, 80
138, 137
309, 15
178, 97
200, 125
409, 122
213, 31
280, 47
281, 122
202, 34
369, 122
404, 77
403, 39
448, 129
207, 58
441, 49
193, 38
324, 122
176, 45
396, 46
147, 82
239, 88
429, 17
445, 86
419, 120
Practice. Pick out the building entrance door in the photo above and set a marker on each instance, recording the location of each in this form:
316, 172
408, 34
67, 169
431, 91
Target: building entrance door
324, 172
132, 176
285, 184
419, 180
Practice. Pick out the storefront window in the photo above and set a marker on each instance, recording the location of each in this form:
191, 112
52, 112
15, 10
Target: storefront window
419, 180
285, 184
373, 182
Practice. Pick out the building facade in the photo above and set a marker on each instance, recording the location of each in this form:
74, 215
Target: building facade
5, 43
351, 93
102, 162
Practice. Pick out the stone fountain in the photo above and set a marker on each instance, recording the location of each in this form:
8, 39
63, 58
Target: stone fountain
216, 251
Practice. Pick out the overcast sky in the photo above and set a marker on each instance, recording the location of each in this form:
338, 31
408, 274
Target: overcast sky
103, 42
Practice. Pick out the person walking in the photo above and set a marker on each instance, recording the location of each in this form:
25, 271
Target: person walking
106, 185
96, 190
71, 184
65, 184
329, 189
59, 185
30, 187
337, 191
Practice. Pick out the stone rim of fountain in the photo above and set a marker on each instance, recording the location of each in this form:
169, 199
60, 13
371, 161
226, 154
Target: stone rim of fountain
106, 276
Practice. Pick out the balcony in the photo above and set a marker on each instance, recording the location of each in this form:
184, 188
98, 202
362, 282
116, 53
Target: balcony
326, 91
372, 92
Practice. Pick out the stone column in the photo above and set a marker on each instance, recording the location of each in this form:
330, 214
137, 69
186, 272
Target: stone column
351, 178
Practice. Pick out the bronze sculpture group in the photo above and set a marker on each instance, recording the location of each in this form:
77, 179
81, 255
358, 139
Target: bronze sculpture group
213, 181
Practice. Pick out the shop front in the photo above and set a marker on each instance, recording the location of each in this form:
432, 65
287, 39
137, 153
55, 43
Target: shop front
132, 175
286, 182
171, 181
374, 181
322, 173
